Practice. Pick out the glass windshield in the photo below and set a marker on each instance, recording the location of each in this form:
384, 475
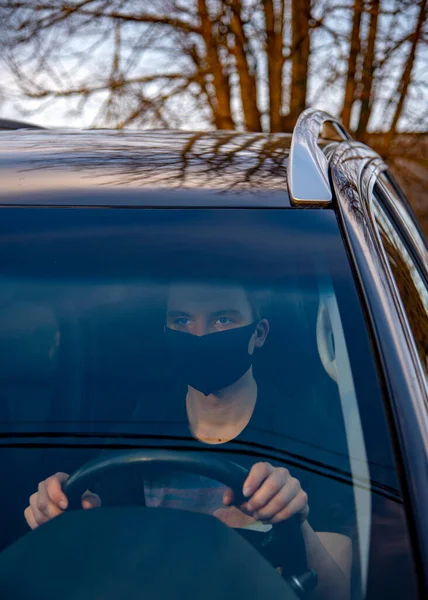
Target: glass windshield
230, 335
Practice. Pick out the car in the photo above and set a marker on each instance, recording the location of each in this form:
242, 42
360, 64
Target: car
13, 125
156, 284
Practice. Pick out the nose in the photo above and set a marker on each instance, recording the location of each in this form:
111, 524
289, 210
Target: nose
200, 328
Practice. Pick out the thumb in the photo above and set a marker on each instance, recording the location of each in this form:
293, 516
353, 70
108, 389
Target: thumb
90, 500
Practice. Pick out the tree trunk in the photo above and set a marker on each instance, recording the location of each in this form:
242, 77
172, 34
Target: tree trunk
368, 71
300, 49
247, 78
406, 78
275, 61
222, 110
354, 51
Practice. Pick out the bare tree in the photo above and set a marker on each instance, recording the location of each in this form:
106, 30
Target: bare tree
368, 72
300, 51
224, 64
406, 79
275, 22
354, 52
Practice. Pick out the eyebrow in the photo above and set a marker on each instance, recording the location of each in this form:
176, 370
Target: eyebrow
217, 313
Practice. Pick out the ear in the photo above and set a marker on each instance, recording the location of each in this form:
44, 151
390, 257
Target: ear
262, 331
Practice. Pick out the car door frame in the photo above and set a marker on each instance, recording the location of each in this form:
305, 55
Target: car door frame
354, 170
394, 205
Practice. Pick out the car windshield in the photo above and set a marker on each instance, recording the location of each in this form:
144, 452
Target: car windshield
234, 335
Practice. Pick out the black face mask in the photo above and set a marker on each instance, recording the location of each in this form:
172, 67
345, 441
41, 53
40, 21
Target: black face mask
211, 362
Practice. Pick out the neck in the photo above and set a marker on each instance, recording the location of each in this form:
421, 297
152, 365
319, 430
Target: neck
220, 417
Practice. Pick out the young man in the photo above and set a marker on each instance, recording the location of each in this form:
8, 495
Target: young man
212, 333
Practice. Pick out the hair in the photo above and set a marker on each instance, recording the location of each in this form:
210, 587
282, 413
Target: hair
260, 301
258, 298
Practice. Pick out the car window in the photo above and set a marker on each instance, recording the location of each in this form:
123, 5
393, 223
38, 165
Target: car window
409, 281
117, 325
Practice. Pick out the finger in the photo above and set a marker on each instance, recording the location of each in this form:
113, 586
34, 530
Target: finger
54, 489
259, 472
268, 489
228, 498
299, 504
29, 517
39, 517
282, 499
90, 500
45, 504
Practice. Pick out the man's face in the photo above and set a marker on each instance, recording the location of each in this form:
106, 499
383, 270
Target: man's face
201, 309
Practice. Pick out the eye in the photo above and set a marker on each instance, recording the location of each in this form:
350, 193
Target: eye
183, 321
223, 321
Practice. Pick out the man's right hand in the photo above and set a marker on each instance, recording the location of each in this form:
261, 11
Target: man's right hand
50, 501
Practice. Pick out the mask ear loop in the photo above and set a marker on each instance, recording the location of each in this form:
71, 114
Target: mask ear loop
256, 324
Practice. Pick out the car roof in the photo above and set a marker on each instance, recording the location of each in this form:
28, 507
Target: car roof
147, 168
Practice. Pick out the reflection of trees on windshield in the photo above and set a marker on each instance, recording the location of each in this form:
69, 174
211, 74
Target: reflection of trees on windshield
165, 159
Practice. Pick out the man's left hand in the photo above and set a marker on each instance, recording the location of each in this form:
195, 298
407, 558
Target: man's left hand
273, 495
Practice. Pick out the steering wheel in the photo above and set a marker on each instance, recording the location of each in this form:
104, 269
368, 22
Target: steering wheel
286, 536
153, 460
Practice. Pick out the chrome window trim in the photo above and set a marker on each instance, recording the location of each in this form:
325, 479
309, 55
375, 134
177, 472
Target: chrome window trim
354, 170
307, 169
401, 213
402, 200
369, 178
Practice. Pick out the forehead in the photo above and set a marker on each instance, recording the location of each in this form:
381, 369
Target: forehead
207, 298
